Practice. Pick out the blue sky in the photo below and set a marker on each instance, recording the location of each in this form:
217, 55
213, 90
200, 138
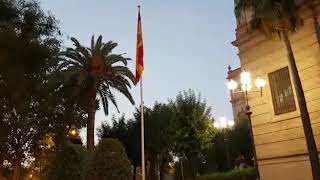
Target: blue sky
187, 44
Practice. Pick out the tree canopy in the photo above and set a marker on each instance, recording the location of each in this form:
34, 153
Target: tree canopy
31, 103
110, 161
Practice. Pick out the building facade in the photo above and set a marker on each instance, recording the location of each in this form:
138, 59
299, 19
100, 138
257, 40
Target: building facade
279, 138
237, 99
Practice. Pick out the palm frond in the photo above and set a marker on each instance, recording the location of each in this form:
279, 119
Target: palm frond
92, 42
270, 16
98, 44
75, 42
123, 71
116, 58
123, 89
108, 47
105, 102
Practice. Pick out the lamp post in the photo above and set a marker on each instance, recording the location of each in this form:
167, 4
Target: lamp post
74, 136
246, 87
224, 124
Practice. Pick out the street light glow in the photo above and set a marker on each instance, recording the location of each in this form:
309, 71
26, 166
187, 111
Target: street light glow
260, 83
223, 123
245, 78
216, 124
230, 123
73, 132
232, 84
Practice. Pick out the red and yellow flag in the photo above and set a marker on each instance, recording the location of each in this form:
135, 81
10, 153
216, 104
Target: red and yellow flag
139, 57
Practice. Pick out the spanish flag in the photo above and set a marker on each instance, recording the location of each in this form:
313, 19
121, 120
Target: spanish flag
139, 57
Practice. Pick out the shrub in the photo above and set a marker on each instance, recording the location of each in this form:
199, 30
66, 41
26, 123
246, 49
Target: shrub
242, 174
69, 163
110, 161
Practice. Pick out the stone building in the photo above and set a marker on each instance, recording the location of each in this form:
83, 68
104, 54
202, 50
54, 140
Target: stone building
279, 139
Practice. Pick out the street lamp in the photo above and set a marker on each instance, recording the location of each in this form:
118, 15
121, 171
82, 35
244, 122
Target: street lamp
74, 136
224, 124
246, 87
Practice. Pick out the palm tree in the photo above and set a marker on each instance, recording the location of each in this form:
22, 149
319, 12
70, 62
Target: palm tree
95, 73
282, 17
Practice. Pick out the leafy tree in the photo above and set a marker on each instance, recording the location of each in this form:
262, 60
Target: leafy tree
160, 135
118, 129
181, 127
110, 161
241, 143
27, 45
282, 17
128, 133
96, 70
70, 162
195, 130
32, 104
133, 144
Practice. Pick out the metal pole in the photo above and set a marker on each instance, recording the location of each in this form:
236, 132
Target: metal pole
143, 170
248, 112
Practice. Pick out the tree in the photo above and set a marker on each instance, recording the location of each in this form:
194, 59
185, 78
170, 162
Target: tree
70, 162
180, 128
161, 128
32, 105
195, 130
282, 17
128, 133
110, 161
160, 135
96, 70
27, 47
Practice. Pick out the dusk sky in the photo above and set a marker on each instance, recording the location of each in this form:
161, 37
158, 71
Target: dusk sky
187, 44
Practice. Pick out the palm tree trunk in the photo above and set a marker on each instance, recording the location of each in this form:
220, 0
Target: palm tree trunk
308, 132
91, 119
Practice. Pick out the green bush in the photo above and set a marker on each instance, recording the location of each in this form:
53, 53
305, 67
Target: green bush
69, 163
110, 161
242, 174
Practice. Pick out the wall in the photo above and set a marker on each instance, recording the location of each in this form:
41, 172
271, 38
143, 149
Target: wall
280, 143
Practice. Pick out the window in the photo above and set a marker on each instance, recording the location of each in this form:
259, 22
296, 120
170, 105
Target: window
281, 91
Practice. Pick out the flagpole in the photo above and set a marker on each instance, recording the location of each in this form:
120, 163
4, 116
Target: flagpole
143, 164
143, 168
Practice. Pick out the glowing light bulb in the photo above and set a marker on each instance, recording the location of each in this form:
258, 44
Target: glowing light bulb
232, 84
223, 122
260, 83
230, 123
73, 132
245, 78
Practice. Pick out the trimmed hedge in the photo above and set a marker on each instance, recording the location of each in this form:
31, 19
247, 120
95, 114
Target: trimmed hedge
241, 174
